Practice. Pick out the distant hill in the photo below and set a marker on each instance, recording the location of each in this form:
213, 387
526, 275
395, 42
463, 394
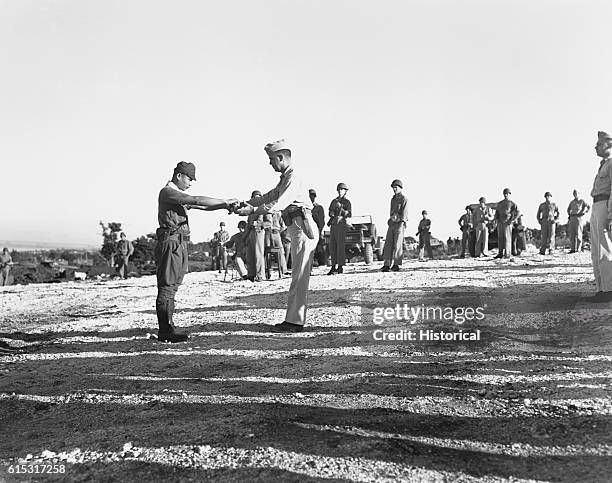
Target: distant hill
31, 246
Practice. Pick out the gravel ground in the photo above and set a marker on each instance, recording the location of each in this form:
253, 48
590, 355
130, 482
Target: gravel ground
88, 394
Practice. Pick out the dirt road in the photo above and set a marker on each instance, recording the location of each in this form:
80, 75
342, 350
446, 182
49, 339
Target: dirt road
94, 397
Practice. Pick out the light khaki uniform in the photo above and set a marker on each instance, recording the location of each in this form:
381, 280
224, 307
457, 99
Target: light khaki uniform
601, 238
291, 193
576, 211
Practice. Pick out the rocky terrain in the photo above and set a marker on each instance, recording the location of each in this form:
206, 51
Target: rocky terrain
88, 394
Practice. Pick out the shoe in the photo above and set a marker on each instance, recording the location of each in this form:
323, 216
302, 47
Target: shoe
287, 327
573, 251
245, 277
395, 268
339, 270
461, 256
385, 268
171, 337
332, 271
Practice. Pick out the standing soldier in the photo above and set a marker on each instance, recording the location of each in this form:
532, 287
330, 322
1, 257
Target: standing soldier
256, 263
219, 251
481, 217
424, 235
5, 266
125, 249
465, 224
172, 238
339, 211
575, 211
601, 220
506, 214
290, 196
393, 250
273, 238
318, 215
548, 215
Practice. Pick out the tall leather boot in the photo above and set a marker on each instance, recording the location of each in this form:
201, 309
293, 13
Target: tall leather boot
164, 307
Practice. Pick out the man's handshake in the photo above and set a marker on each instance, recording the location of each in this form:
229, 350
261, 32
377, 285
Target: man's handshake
240, 208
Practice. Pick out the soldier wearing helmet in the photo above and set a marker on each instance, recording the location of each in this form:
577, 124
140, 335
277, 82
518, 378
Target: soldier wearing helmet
481, 216
547, 216
339, 211
506, 214
238, 243
394, 241
465, 224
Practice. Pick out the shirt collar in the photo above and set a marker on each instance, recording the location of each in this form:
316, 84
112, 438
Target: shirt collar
170, 184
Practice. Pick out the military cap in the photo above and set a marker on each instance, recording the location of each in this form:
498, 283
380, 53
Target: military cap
312, 192
242, 224
482, 199
424, 212
255, 193
548, 193
397, 182
184, 167
507, 191
276, 146
603, 136
222, 223
341, 186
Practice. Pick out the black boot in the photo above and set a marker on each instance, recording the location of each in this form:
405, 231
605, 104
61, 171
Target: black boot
165, 308
332, 271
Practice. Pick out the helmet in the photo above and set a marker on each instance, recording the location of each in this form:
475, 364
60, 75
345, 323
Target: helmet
341, 186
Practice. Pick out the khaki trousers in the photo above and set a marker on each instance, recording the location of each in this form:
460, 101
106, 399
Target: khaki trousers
601, 247
302, 254
547, 235
394, 244
482, 240
575, 232
256, 264
504, 239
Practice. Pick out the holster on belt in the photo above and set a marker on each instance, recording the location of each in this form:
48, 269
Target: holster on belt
300, 212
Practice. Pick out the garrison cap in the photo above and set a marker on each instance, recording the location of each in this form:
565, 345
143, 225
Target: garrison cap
341, 186
276, 146
255, 193
603, 136
184, 167
222, 223
312, 192
548, 193
482, 199
507, 191
397, 182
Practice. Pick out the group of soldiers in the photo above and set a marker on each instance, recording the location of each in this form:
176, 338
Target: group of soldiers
251, 247
294, 203
507, 219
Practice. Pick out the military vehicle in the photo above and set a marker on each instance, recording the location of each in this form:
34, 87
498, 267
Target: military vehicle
361, 240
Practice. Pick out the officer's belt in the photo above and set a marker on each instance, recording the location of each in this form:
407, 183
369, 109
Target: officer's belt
166, 235
604, 197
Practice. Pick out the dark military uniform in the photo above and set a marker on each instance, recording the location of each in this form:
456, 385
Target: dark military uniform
393, 250
125, 249
424, 238
548, 215
339, 210
318, 215
219, 251
506, 214
465, 224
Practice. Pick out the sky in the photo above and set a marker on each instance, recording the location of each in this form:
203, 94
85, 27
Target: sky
459, 99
